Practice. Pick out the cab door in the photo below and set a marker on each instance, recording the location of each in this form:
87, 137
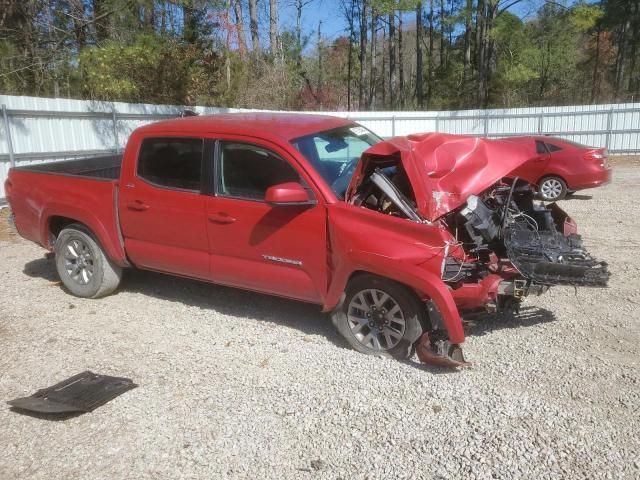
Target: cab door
278, 250
162, 208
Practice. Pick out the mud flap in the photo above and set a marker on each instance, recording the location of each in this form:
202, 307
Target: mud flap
440, 353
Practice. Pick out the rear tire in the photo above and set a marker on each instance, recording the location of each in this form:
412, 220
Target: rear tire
82, 265
552, 189
378, 316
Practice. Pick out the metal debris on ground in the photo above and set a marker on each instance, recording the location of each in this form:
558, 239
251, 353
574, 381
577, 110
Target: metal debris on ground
83, 392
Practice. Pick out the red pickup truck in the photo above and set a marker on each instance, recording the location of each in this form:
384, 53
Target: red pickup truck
395, 238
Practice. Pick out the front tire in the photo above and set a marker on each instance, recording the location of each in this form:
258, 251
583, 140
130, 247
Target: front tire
378, 316
552, 189
82, 265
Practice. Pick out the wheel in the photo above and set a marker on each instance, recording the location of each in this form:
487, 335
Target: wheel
552, 189
82, 265
378, 316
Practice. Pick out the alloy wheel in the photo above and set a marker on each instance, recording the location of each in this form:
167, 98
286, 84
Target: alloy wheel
78, 261
376, 319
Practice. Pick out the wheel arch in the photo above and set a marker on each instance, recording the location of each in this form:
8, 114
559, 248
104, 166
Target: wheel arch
54, 220
423, 283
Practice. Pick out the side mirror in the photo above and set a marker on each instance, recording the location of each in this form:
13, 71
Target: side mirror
290, 193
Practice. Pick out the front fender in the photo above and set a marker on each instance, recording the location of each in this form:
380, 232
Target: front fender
425, 283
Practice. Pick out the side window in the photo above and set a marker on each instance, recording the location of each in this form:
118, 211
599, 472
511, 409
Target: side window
540, 148
552, 147
172, 162
247, 171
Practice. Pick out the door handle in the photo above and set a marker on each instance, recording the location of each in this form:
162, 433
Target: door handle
138, 206
221, 217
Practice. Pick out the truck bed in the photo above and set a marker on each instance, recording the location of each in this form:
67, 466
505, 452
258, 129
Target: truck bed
84, 190
105, 167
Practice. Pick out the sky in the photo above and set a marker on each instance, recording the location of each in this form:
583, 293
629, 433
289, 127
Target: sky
334, 24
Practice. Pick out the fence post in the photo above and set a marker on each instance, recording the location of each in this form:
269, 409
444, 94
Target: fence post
393, 125
114, 118
7, 128
437, 122
607, 138
486, 123
540, 123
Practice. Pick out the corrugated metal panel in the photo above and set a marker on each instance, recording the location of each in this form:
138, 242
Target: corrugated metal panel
40, 126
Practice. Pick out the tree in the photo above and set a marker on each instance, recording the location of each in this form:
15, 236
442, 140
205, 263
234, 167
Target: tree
419, 67
273, 26
253, 26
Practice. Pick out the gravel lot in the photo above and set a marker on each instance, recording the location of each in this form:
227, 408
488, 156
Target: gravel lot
239, 385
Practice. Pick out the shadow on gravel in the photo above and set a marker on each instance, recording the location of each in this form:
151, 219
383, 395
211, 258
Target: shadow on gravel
576, 196
41, 268
225, 300
482, 324
304, 317
231, 301
52, 417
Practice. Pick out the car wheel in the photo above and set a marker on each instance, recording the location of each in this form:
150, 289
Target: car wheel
378, 316
83, 266
552, 189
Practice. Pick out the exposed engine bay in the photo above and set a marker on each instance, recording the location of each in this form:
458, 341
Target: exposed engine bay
491, 242
504, 231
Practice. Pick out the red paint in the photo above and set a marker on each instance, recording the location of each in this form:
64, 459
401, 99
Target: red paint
445, 169
302, 251
286, 193
578, 165
475, 295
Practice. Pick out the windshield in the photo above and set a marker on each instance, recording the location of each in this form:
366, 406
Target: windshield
335, 153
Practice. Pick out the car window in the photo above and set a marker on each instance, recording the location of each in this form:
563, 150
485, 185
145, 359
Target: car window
334, 153
172, 162
540, 148
247, 171
553, 148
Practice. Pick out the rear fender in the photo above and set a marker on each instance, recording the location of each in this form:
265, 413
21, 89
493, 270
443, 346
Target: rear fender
107, 236
426, 284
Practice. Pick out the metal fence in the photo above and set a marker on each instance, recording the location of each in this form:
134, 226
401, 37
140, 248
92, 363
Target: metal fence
33, 130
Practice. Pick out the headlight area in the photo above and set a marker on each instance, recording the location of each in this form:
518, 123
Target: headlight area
498, 287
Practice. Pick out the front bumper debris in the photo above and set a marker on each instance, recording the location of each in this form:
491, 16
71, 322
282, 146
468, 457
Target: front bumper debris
440, 353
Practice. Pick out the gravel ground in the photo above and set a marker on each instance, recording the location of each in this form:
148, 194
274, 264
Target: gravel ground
239, 385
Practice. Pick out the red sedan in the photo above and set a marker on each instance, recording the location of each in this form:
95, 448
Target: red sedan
561, 167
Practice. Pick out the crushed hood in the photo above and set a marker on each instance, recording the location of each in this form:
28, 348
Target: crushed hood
443, 169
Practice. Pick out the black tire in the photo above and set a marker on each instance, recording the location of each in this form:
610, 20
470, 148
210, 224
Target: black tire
77, 251
412, 309
552, 189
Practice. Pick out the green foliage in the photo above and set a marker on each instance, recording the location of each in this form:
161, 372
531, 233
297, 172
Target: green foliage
585, 17
182, 52
148, 67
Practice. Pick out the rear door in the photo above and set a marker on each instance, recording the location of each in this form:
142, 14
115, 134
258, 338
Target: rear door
280, 250
162, 208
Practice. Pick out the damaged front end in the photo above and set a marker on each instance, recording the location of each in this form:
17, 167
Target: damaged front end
504, 245
535, 245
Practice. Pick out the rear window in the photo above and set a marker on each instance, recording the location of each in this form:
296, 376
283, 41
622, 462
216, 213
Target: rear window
172, 162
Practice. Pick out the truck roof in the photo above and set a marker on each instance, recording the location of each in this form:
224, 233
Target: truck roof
285, 126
